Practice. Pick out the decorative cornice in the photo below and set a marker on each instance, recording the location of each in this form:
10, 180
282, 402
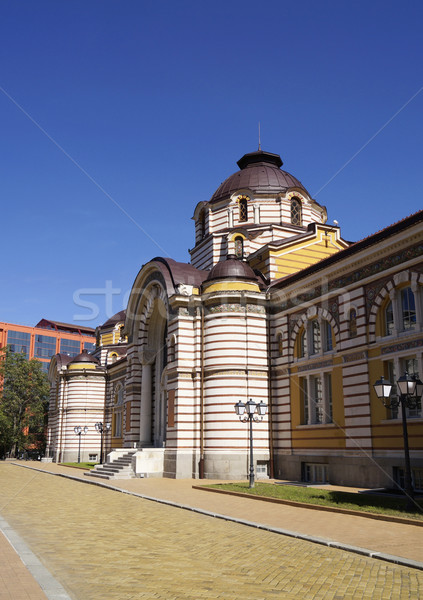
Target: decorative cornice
355, 356
374, 268
402, 346
237, 308
317, 365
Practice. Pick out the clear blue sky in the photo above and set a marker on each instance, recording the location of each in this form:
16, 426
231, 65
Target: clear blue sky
148, 105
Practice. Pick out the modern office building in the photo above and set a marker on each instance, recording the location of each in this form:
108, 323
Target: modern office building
276, 307
46, 339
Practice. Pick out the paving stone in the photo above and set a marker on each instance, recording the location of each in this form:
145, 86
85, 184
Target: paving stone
102, 544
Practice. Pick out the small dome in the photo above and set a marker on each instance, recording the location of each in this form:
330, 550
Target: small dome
117, 318
231, 268
84, 357
260, 172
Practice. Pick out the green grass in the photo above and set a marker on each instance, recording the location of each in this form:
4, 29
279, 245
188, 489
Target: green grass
81, 465
383, 505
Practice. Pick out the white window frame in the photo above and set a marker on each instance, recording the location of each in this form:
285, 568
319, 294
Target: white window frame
400, 322
316, 396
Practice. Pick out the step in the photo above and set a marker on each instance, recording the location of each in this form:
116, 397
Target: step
99, 475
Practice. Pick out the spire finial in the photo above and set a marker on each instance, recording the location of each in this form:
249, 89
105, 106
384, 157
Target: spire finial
259, 136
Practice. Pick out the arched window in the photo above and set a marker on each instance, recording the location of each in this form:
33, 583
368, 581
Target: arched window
239, 247
408, 309
328, 340
296, 216
302, 343
399, 312
315, 337
117, 412
202, 224
352, 323
280, 344
389, 319
243, 208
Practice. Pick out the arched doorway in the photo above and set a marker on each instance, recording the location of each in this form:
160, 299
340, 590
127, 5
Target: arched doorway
153, 356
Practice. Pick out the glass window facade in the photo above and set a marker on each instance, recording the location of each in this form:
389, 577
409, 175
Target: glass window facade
45, 346
19, 341
70, 347
45, 366
89, 346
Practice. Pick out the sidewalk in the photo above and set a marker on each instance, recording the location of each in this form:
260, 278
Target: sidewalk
396, 542
14, 575
103, 544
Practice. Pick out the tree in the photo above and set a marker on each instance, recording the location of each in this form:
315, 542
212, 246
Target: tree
24, 392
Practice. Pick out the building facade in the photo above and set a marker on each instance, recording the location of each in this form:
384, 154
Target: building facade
275, 306
46, 339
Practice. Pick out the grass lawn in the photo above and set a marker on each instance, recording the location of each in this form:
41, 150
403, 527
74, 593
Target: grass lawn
385, 505
81, 465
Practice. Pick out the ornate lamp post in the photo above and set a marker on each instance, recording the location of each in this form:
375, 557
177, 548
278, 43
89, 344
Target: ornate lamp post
251, 412
411, 389
80, 431
102, 429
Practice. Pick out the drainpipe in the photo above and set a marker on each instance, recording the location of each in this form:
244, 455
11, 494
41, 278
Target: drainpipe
201, 463
269, 394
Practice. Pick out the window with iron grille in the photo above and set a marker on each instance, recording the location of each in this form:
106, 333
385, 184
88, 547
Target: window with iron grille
296, 218
243, 209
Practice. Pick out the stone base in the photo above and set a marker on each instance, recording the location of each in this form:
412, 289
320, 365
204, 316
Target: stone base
217, 465
354, 471
148, 462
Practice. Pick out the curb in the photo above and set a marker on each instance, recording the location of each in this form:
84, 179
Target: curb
50, 586
345, 511
398, 560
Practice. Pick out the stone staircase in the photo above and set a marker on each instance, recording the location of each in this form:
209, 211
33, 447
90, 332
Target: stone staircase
120, 468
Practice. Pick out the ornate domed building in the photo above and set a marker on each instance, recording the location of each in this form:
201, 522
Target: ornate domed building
275, 307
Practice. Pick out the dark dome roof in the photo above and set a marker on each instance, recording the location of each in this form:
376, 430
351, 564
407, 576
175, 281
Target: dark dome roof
260, 172
84, 357
231, 268
117, 318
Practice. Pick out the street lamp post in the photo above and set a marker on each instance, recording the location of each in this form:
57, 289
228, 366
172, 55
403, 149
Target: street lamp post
80, 431
251, 412
102, 429
411, 389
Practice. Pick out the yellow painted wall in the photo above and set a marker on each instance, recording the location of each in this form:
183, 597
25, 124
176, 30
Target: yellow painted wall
388, 435
319, 436
107, 339
231, 285
299, 255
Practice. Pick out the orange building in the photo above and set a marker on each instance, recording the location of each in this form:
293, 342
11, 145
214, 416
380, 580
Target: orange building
46, 339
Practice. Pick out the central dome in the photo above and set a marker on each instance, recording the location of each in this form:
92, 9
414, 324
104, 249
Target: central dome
260, 172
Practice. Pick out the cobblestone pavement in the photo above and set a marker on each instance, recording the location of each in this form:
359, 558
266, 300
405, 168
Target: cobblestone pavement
101, 544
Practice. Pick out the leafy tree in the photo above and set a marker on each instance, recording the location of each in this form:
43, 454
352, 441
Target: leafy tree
24, 392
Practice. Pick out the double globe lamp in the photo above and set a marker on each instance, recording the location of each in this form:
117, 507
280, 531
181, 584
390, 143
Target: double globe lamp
249, 412
410, 393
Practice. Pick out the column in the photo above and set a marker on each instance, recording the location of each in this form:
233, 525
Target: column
145, 408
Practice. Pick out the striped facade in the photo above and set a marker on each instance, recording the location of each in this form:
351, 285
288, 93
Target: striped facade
76, 400
275, 307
